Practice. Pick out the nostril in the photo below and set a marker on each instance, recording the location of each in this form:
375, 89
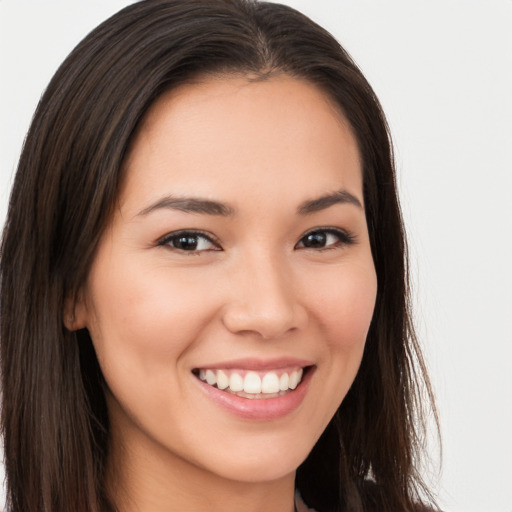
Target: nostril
269, 321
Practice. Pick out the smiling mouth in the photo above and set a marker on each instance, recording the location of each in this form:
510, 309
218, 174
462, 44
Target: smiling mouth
253, 384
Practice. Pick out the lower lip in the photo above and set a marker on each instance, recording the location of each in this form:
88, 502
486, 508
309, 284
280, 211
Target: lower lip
259, 408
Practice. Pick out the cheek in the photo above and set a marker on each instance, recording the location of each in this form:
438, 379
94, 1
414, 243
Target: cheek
145, 321
141, 328
341, 304
344, 305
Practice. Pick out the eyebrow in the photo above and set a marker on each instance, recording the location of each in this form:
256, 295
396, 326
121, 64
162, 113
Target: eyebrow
323, 202
190, 205
209, 207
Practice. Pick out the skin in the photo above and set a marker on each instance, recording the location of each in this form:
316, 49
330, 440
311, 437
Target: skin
156, 312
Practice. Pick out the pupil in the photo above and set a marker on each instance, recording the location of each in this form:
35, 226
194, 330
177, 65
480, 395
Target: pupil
315, 240
186, 242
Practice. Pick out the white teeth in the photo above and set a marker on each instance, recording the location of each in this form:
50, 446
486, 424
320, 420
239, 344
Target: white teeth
236, 383
211, 377
270, 383
222, 380
252, 383
283, 382
293, 380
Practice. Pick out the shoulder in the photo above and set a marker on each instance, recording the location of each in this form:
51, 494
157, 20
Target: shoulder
372, 501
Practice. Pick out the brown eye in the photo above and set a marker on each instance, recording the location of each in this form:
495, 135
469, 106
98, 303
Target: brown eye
189, 241
324, 239
315, 240
186, 242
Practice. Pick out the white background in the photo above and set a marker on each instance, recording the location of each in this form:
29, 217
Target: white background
443, 71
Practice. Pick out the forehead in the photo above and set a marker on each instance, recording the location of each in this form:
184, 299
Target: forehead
239, 135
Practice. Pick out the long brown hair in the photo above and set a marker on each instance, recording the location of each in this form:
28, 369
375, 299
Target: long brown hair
54, 417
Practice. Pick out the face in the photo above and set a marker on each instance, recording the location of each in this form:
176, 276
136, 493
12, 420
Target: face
230, 298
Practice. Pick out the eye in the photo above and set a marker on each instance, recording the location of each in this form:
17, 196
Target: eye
189, 241
325, 238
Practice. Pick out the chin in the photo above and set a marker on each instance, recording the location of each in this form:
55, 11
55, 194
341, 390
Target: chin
263, 461
266, 469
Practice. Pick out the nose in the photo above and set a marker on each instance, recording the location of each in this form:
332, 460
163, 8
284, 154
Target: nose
264, 300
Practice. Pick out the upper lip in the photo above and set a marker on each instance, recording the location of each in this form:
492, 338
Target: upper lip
258, 364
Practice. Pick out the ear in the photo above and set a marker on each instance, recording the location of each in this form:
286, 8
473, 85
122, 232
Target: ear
75, 312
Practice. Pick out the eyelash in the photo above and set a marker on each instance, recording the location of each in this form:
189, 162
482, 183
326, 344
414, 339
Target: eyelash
344, 239
171, 238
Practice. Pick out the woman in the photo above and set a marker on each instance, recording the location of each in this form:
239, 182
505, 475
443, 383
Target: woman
204, 292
